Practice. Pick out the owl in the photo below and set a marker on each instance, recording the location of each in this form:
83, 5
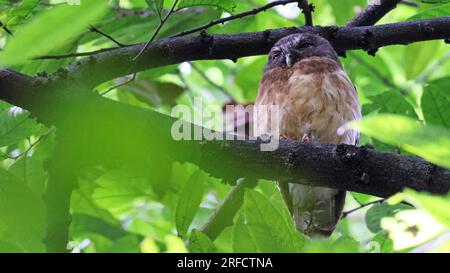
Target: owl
315, 99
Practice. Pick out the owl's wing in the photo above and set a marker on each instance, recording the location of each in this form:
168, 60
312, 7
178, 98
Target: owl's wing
272, 87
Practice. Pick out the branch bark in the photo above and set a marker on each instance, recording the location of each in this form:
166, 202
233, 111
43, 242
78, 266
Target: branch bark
373, 13
118, 62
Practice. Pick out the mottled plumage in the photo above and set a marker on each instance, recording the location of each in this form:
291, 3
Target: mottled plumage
316, 98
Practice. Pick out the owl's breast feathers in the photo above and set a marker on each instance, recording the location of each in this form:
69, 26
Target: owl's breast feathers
314, 94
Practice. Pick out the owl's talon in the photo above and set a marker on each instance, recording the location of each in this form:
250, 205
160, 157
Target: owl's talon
283, 136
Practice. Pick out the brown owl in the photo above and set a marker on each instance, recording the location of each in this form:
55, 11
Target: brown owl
305, 79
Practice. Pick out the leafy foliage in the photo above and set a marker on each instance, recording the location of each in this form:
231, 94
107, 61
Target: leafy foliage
404, 92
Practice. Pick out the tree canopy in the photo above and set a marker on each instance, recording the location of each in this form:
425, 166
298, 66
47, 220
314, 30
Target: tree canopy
88, 162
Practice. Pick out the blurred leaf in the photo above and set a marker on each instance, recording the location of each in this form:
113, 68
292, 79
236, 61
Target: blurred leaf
249, 76
127, 244
17, 14
83, 223
156, 5
433, 12
119, 197
361, 198
436, 102
175, 244
388, 102
343, 244
154, 93
382, 243
263, 221
431, 203
149, 246
15, 125
435, 1
227, 5
430, 142
58, 25
243, 241
189, 202
200, 243
423, 55
344, 13
379, 211
22, 216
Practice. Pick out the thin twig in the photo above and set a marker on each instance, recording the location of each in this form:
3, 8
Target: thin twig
76, 54
307, 11
5, 28
34, 144
161, 24
233, 17
378, 74
379, 201
107, 36
410, 3
133, 77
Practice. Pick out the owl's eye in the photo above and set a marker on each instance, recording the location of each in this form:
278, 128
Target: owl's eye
276, 55
305, 45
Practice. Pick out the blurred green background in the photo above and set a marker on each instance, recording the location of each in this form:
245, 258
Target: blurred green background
123, 211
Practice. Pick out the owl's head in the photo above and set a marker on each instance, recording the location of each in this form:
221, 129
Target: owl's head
293, 48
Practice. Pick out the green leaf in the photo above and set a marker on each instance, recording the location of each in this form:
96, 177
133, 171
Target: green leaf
436, 102
433, 12
262, 222
379, 211
435, 205
189, 202
343, 13
22, 216
249, 76
156, 5
50, 30
16, 126
361, 198
84, 223
430, 142
200, 243
423, 54
243, 240
388, 102
382, 243
343, 244
226, 5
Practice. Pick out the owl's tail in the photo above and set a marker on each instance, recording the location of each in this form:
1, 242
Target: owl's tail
315, 210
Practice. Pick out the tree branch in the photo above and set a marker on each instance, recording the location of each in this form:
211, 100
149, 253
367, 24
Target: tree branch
373, 13
224, 214
118, 62
5, 28
379, 201
307, 10
92, 28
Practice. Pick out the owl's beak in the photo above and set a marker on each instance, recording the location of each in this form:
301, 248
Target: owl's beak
291, 59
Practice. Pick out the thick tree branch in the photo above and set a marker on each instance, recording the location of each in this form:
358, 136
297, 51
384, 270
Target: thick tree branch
373, 13
118, 62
